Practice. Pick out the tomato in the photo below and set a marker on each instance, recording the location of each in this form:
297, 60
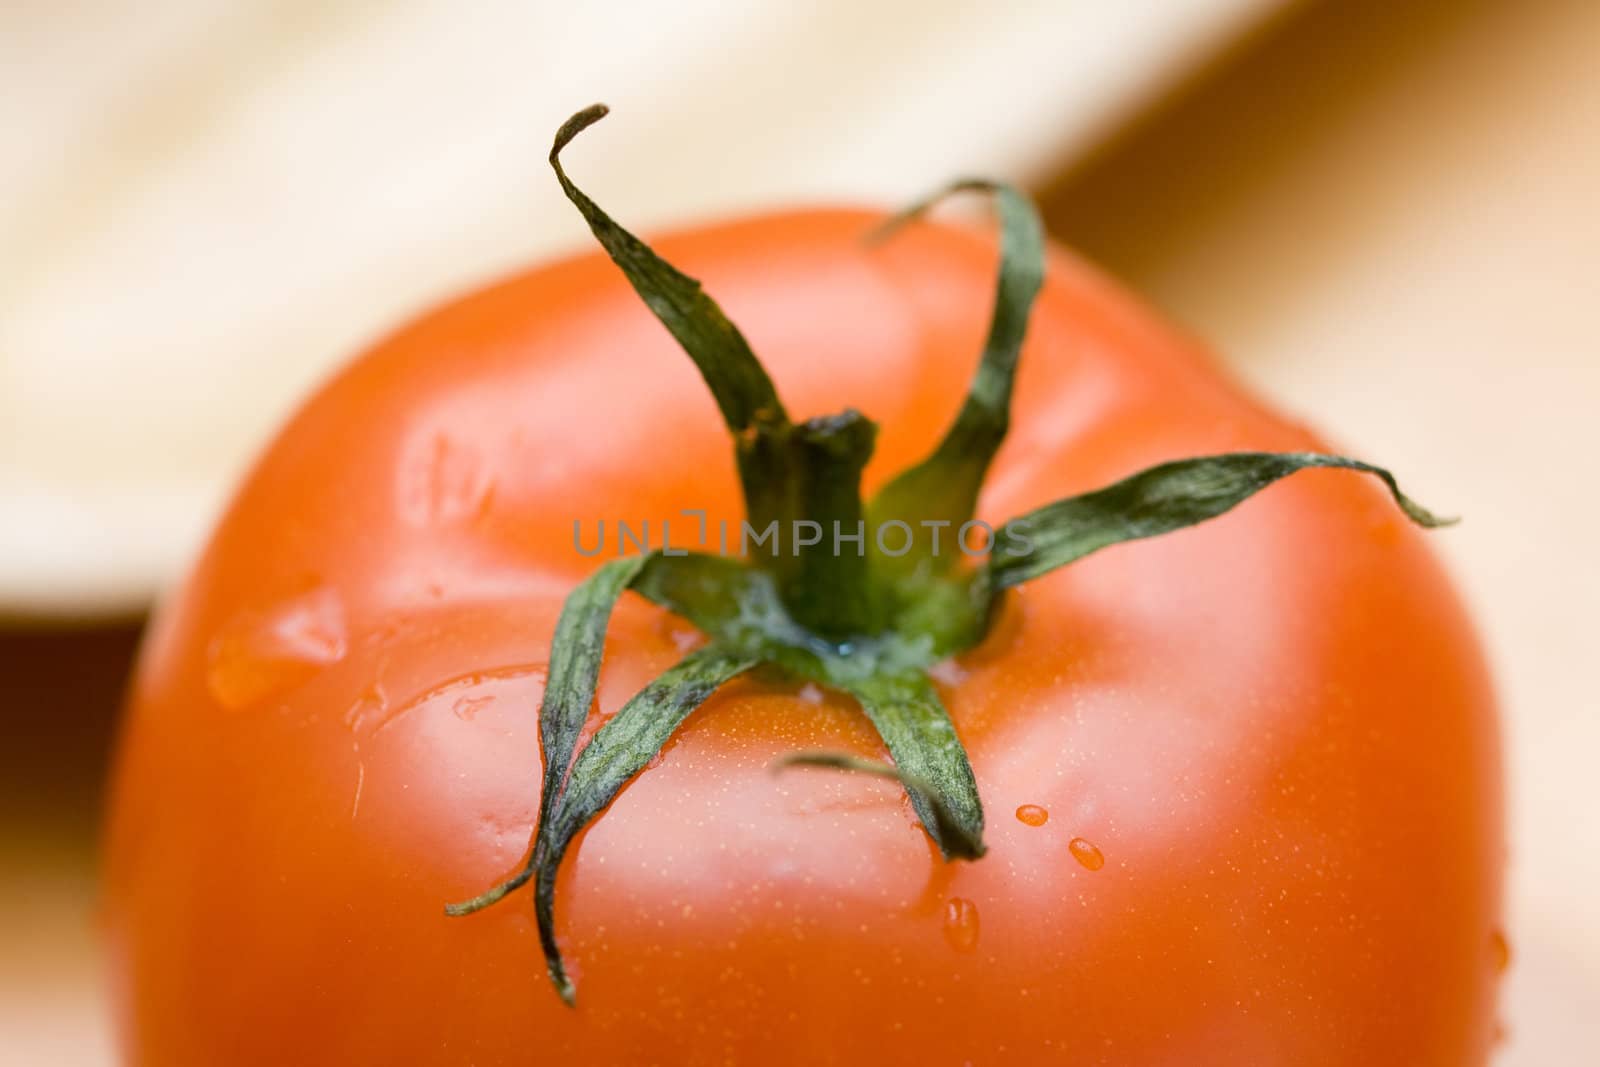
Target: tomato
1242, 781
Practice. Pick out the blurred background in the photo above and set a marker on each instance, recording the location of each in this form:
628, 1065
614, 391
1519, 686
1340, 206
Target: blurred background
1383, 214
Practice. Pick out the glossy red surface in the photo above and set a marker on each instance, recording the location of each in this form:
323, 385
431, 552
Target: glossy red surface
1275, 731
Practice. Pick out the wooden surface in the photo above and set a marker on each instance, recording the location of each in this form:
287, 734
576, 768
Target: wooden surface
1386, 218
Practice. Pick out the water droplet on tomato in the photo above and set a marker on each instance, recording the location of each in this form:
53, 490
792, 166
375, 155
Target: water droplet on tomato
961, 924
810, 693
441, 481
1086, 853
1499, 952
466, 708
948, 672
258, 654
1032, 815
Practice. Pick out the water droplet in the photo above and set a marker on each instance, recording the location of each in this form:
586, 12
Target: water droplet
1087, 854
961, 924
466, 708
1499, 951
1032, 815
258, 654
441, 481
810, 693
948, 672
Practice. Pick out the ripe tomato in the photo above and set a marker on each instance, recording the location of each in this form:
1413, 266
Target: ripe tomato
1242, 781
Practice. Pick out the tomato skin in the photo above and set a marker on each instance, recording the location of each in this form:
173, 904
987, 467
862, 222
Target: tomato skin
1276, 728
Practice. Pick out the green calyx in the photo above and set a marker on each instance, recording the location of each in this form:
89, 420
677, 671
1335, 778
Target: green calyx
863, 596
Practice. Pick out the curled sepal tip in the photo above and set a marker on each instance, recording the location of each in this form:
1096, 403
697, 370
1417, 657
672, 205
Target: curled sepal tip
1158, 500
490, 896
742, 389
943, 488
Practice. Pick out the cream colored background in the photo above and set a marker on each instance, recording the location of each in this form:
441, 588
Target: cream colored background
206, 205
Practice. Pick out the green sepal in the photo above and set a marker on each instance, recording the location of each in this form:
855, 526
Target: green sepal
575, 653
906, 711
733, 603
618, 751
743, 391
743, 608
749, 403
1158, 500
944, 487
950, 826
789, 473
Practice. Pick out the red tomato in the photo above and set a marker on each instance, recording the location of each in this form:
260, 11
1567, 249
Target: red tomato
1253, 765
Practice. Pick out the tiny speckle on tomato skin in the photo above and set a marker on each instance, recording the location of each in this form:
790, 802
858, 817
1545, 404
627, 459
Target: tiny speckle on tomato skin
1086, 853
1032, 815
961, 924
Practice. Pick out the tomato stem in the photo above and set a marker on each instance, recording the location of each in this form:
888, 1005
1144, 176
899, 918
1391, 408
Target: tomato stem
823, 600
822, 571
800, 481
